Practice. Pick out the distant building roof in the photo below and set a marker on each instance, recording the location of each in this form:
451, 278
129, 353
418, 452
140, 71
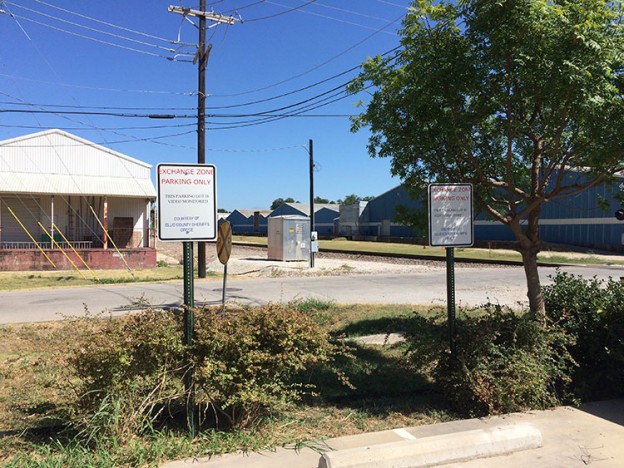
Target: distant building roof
57, 162
249, 213
305, 207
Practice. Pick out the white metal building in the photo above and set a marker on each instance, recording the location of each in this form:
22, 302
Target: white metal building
55, 184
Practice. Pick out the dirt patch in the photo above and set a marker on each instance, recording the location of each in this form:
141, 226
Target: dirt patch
251, 261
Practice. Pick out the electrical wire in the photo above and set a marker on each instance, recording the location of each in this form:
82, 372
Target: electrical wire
133, 140
95, 88
231, 106
88, 28
113, 25
351, 23
331, 59
392, 4
237, 9
82, 36
280, 13
154, 140
145, 127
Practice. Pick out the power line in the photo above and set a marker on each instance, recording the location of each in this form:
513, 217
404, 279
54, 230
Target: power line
95, 88
82, 36
112, 25
280, 13
88, 28
145, 127
133, 140
337, 19
331, 59
67, 106
244, 7
100, 113
231, 106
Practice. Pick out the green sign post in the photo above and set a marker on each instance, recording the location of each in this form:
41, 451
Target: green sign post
187, 212
189, 332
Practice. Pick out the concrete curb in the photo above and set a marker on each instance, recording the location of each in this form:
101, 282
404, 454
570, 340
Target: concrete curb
435, 450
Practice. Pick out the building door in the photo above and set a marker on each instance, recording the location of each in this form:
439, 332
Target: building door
123, 228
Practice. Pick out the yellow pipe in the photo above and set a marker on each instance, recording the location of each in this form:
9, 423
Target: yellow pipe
74, 250
31, 237
62, 251
112, 241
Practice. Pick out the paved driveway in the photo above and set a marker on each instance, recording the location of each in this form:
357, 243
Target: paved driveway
474, 286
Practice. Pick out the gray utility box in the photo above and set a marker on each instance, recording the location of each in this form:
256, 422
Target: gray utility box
289, 238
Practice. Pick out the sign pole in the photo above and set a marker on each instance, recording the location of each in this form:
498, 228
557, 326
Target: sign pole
189, 331
450, 226
187, 212
224, 249
450, 297
224, 284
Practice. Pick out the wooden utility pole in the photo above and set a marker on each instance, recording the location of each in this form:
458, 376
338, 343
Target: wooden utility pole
311, 154
201, 58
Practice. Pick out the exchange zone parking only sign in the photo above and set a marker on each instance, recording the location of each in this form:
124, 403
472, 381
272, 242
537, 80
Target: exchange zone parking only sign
187, 202
450, 215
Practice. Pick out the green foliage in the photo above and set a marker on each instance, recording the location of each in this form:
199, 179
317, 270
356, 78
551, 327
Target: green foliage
591, 311
351, 199
322, 200
280, 201
313, 304
130, 370
505, 95
505, 362
246, 361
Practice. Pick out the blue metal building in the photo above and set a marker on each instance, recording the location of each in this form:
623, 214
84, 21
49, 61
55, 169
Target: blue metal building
586, 219
249, 222
379, 217
325, 215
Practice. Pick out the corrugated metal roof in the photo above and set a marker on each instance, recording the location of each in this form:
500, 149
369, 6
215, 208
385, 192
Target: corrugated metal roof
305, 207
56, 162
248, 213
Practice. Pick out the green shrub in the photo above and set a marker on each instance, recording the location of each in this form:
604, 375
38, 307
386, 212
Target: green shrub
592, 312
130, 371
504, 362
246, 361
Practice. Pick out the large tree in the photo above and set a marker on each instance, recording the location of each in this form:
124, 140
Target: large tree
509, 95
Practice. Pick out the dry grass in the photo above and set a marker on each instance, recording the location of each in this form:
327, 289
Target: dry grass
14, 280
31, 370
34, 391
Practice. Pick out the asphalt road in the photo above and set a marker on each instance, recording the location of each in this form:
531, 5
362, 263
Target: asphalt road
474, 286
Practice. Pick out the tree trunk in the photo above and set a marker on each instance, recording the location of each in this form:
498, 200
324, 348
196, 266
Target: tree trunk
529, 246
534, 287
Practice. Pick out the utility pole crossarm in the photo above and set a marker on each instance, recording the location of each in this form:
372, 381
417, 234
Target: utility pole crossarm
210, 16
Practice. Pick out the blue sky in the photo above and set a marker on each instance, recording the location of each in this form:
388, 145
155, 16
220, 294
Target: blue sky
90, 57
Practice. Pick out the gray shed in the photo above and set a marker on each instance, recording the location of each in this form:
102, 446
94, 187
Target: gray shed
289, 238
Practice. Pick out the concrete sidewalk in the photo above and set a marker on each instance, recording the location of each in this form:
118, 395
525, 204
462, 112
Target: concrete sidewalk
590, 435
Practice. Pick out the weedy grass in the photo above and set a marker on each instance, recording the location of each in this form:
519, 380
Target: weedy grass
14, 280
37, 402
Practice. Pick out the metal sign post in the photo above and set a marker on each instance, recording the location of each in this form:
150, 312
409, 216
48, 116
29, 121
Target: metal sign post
187, 212
450, 226
189, 331
450, 298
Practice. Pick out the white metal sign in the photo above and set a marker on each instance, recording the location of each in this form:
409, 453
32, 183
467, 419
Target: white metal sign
450, 215
187, 202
